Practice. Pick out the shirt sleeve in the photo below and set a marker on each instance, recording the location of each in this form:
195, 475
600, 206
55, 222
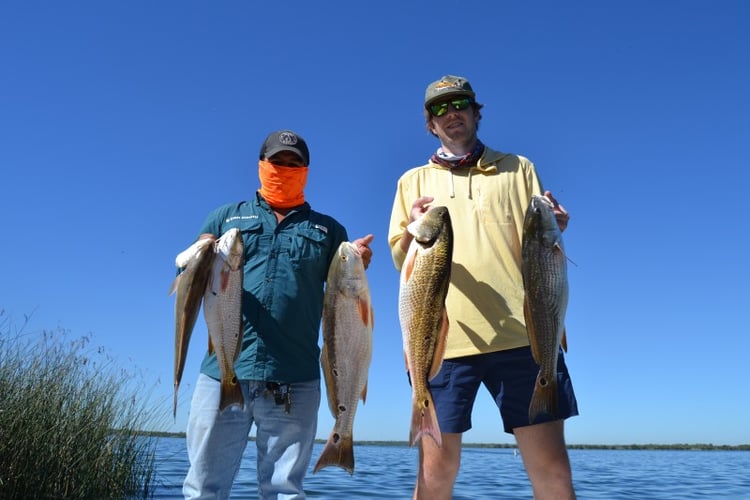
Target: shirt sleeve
211, 224
399, 220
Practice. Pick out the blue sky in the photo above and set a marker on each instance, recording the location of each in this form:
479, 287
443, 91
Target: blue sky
122, 124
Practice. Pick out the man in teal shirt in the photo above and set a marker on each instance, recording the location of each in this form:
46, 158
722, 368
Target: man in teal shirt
288, 249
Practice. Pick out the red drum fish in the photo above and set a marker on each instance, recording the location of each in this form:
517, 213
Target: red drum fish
545, 281
425, 276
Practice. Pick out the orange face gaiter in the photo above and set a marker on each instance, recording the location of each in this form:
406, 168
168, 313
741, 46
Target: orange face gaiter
282, 187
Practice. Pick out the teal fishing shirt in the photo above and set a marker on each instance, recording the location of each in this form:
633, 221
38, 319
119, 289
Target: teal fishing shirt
286, 266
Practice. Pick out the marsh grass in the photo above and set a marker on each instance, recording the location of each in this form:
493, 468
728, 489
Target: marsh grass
70, 420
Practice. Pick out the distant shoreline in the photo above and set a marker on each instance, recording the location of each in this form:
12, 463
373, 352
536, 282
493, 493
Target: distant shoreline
681, 446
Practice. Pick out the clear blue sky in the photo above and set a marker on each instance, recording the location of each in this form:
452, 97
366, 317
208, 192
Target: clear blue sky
122, 124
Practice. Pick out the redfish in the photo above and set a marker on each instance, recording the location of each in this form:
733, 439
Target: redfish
425, 276
222, 310
545, 282
189, 285
347, 350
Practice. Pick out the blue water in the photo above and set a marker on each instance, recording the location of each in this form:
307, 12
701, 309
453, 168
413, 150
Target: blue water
492, 473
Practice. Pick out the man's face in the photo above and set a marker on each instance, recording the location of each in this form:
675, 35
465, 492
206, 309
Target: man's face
286, 159
455, 125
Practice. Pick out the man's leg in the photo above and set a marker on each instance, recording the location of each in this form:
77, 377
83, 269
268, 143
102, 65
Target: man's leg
438, 467
215, 441
285, 440
545, 456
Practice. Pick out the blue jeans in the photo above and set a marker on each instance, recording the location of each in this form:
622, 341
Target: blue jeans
216, 441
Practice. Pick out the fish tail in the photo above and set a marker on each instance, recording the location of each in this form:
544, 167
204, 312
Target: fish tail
424, 421
544, 398
338, 451
231, 394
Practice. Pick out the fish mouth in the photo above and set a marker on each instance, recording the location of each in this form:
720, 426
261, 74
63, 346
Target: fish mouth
545, 200
351, 247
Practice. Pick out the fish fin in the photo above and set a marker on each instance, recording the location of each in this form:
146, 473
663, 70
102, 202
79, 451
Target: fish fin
174, 407
175, 284
406, 362
364, 394
439, 354
338, 451
365, 310
210, 346
544, 398
328, 376
424, 422
210, 284
231, 393
535, 353
558, 247
564, 340
224, 279
238, 345
408, 266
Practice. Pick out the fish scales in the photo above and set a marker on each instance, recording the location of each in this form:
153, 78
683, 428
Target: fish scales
222, 310
544, 270
425, 276
347, 351
189, 287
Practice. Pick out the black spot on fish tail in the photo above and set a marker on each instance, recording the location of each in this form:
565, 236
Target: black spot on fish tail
335, 437
342, 408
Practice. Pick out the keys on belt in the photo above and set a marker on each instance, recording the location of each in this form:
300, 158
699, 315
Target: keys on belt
282, 394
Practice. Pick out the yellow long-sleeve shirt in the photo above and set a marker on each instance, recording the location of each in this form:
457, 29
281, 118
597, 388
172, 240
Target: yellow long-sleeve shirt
487, 204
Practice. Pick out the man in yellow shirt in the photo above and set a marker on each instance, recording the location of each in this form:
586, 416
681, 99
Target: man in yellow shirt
487, 193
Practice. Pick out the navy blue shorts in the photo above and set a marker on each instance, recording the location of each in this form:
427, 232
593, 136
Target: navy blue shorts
509, 376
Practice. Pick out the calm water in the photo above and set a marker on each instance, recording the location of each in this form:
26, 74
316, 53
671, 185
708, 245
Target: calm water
388, 472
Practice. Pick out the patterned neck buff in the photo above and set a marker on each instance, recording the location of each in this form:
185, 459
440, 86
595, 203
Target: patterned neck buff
282, 187
450, 161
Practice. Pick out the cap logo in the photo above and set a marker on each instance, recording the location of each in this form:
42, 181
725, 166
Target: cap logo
287, 139
446, 84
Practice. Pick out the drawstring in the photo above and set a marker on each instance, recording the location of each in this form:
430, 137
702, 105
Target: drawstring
470, 172
453, 187
440, 157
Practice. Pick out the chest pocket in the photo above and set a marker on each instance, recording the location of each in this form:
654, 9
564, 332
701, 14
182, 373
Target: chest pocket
309, 248
252, 235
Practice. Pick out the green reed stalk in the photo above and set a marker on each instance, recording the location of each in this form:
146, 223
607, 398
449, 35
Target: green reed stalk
70, 422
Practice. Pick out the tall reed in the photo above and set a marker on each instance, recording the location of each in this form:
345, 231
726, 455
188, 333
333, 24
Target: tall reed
70, 420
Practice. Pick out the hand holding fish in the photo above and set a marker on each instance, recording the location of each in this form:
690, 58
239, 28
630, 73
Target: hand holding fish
561, 214
363, 245
420, 206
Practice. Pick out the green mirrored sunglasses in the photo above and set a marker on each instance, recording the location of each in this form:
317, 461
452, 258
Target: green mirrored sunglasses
459, 103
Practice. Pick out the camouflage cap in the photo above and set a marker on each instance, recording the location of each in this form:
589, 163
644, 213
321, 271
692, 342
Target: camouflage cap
447, 85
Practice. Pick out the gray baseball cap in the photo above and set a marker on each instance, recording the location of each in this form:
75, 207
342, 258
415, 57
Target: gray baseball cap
447, 86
